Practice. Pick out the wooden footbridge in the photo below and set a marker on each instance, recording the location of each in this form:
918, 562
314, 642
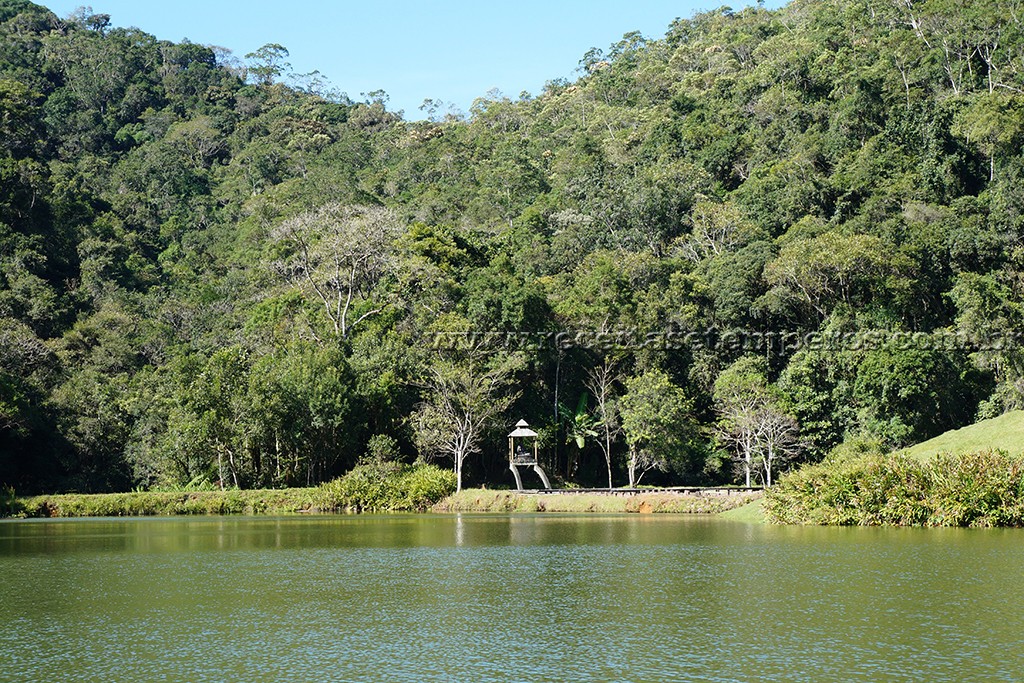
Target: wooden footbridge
687, 490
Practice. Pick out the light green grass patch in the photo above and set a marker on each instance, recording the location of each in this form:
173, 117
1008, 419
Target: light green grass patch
1005, 433
752, 513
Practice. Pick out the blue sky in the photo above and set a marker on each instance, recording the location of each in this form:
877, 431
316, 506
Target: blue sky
448, 51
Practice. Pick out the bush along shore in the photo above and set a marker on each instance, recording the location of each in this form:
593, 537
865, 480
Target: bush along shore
982, 489
372, 487
163, 503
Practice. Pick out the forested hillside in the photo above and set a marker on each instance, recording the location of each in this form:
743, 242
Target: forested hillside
753, 239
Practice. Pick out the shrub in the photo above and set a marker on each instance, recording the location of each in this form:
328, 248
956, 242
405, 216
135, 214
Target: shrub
382, 486
979, 489
973, 489
423, 485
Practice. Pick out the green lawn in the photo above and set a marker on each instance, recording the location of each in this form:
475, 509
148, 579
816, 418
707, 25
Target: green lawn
751, 512
1005, 432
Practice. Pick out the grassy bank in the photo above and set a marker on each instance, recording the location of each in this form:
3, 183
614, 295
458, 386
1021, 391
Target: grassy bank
981, 489
160, 503
374, 487
484, 500
367, 489
1004, 433
752, 513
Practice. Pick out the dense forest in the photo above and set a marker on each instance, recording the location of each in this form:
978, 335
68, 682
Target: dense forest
762, 237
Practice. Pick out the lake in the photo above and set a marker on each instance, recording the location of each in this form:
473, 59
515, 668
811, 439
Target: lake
505, 598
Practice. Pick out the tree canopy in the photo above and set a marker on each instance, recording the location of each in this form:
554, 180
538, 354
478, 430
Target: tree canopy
215, 271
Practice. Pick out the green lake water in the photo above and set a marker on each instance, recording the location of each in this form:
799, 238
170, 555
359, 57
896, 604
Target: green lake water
505, 598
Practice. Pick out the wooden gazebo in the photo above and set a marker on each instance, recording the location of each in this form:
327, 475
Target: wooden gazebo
519, 453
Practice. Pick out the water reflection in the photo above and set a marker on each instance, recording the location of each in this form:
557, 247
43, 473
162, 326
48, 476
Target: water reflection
505, 597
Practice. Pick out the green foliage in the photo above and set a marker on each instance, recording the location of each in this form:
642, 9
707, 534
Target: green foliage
754, 422
381, 486
219, 272
912, 393
382, 448
463, 401
162, 503
831, 269
970, 489
579, 423
657, 418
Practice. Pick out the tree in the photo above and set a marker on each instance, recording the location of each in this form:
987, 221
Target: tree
218, 401
716, 228
809, 387
990, 313
338, 254
299, 426
752, 421
463, 398
600, 382
908, 395
657, 418
739, 394
836, 268
579, 426
18, 117
268, 63
778, 439
995, 122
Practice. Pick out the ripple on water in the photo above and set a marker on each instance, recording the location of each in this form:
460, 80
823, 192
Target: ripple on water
517, 598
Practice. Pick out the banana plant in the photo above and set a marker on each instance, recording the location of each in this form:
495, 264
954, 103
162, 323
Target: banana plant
579, 424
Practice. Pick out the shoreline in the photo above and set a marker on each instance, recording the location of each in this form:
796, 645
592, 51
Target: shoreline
663, 501
164, 504
303, 501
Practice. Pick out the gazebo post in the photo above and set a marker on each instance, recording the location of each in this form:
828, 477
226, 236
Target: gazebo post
515, 473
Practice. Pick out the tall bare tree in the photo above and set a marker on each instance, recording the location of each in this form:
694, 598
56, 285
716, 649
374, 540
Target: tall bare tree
600, 382
753, 424
778, 439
